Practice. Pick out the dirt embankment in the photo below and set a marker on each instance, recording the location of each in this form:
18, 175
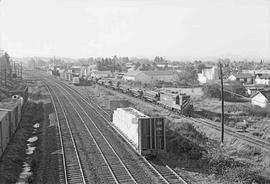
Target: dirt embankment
43, 161
195, 149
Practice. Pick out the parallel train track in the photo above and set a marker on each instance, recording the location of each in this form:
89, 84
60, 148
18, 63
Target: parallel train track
75, 99
249, 139
72, 170
111, 169
163, 172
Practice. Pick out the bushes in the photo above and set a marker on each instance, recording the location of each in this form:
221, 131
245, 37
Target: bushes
232, 91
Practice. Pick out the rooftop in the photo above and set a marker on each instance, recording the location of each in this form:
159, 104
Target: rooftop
102, 72
133, 73
265, 93
265, 76
134, 112
243, 75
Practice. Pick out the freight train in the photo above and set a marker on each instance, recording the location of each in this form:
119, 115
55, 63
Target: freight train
10, 117
174, 101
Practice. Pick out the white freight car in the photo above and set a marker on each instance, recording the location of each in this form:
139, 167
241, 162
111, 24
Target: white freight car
147, 134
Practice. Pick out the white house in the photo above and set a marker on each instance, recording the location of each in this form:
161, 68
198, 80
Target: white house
261, 98
208, 73
246, 78
263, 79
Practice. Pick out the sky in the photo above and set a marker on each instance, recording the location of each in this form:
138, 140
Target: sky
140, 28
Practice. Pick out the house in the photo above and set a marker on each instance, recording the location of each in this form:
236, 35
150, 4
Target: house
263, 79
246, 78
208, 73
261, 98
256, 72
101, 74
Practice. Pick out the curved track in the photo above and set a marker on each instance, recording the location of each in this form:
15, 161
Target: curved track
164, 172
72, 169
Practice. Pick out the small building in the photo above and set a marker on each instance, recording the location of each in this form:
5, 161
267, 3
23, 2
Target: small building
246, 78
209, 73
101, 74
263, 79
261, 98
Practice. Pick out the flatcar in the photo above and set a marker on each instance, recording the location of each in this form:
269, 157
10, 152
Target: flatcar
151, 96
147, 135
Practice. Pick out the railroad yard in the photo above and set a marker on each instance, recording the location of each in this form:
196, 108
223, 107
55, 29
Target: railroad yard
134, 92
76, 120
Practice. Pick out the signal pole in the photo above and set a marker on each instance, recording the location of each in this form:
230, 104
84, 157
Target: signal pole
222, 104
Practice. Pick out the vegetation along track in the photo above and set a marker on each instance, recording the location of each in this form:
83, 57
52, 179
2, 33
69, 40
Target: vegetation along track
250, 139
242, 136
160, 170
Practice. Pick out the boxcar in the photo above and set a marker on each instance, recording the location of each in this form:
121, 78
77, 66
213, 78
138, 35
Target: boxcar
15, 106
4, 130
146, 134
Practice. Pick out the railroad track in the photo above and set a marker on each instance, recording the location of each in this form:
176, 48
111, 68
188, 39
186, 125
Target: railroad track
257, 142
111, 168
72, 171
249, 139
160, 170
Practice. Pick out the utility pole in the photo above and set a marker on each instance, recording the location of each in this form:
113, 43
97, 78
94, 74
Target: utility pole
21, 71
5, 77
222, 104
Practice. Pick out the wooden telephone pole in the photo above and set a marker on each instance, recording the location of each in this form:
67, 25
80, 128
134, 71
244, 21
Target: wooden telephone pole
222, 104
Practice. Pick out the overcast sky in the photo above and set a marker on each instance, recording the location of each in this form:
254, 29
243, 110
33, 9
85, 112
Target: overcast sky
144, 28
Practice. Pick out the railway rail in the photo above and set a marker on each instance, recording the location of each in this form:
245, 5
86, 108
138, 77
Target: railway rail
111, 169
72, 171
164, 172
243, 136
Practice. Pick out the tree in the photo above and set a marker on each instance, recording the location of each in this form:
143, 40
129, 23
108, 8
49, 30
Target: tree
188, 76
